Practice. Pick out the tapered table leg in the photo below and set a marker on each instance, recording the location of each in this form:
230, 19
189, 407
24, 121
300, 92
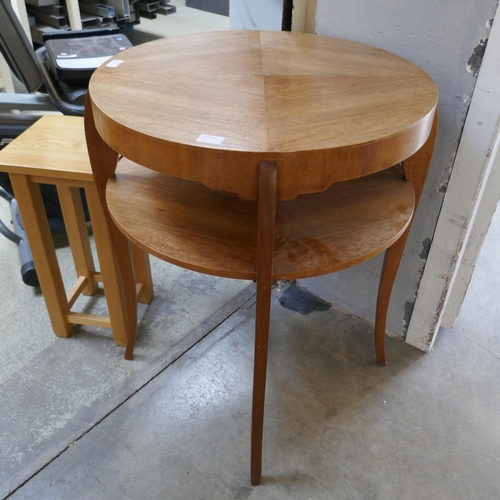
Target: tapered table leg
265, 249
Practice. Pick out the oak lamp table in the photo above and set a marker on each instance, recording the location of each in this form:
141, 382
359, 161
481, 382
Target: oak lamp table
54, 151
261, 156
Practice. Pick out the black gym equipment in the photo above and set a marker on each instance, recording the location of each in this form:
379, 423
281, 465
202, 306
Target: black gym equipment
61, 87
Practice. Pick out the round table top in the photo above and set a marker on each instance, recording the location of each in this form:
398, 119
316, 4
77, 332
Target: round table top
209, 107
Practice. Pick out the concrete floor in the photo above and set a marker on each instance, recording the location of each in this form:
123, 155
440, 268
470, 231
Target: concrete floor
185, 20
79, 422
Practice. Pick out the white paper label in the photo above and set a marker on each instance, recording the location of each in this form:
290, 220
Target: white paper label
211, 139
114, 63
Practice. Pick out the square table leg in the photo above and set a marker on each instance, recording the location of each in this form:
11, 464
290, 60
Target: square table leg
265, 251
113, 288
37, 229
142, 271
76, 229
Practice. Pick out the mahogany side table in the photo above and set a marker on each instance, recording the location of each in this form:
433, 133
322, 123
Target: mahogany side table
261, 156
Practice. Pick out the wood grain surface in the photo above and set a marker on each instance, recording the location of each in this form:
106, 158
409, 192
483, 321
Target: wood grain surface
54, 151
325, 110
53, 147
415, 169
266, 215
212, 232
302, 181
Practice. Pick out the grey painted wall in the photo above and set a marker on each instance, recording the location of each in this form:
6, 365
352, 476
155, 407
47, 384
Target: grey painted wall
441, 36
255, 14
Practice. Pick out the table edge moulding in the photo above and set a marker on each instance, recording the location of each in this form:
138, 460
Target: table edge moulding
317, 157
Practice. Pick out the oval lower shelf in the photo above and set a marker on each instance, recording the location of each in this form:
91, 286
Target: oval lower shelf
215, 233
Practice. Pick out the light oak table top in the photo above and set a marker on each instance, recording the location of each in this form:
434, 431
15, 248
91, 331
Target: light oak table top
52, 147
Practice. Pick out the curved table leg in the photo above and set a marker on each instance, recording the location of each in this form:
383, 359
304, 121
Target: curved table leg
103, 160
389, 270
265, 249
415, 169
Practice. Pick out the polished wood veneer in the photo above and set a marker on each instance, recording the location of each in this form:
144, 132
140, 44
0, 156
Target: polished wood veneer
189, 225
324, 109
300, 181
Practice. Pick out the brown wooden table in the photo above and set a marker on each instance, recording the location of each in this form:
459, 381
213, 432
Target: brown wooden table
309, 155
